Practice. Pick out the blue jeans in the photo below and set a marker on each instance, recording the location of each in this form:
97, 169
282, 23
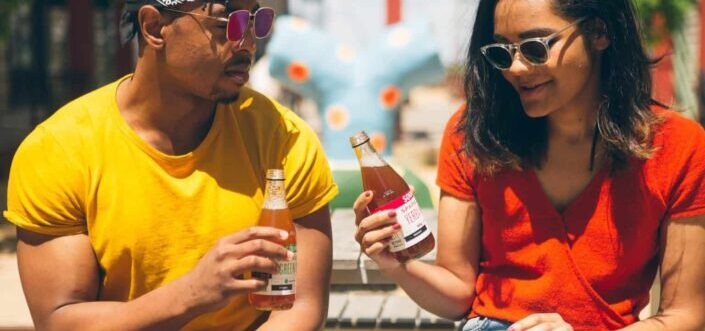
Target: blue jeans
485, 324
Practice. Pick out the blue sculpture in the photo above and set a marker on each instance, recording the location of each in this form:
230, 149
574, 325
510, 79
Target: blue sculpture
354, 90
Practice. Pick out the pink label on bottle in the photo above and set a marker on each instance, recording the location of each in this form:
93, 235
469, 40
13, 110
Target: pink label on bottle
409, 216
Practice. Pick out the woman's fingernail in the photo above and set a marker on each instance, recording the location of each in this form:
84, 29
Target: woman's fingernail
368, 194
283, 234
396, 226
289, 255
392, 213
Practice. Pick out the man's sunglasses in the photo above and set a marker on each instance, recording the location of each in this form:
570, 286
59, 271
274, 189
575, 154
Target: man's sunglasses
534, 50
239, 20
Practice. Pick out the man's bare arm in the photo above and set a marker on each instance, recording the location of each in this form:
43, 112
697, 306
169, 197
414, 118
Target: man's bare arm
60, 280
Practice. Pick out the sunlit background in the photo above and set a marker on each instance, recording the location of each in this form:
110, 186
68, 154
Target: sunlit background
52, 51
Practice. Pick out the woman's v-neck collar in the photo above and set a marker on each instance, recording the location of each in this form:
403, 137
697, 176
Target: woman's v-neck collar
589, 190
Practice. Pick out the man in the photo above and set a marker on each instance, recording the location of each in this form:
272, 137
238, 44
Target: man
136, 204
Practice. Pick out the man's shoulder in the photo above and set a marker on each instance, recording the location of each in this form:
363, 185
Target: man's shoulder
77, 121
83, 112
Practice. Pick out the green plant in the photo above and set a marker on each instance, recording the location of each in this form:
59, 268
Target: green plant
672, 11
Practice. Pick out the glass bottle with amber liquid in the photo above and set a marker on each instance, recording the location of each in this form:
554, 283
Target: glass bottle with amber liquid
281, 286
391, 192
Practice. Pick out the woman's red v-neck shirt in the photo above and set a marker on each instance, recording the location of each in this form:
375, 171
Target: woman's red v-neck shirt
594, 263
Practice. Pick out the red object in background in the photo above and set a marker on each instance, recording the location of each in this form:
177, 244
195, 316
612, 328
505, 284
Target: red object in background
81, 46
702, 36
393, 11
393, 17
662, 73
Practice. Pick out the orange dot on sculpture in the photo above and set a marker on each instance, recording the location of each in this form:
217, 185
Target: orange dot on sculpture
298, 72
390, 97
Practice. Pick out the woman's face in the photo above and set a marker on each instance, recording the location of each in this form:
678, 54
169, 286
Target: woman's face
570, 77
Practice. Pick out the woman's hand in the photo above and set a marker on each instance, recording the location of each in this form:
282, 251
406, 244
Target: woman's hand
374, 232
541, 322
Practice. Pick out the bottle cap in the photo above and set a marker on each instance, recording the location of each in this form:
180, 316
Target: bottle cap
359, 139
275, 174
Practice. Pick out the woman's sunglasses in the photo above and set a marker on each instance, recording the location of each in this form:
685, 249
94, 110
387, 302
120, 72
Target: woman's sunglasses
239, 20
534, 50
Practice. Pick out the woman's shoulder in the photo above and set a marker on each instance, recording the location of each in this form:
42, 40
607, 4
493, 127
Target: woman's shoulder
672, 117
452, 129
677, 141
677, 132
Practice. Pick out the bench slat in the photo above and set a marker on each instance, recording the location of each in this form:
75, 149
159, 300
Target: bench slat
362, 310
336, 305
399, 311
428, 320
346, 251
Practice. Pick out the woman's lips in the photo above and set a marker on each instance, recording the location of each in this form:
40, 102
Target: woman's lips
529, 91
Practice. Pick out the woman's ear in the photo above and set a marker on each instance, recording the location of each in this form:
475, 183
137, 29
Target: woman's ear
599, 38
150, 20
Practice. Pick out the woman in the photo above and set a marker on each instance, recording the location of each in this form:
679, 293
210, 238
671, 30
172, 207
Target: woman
564, 186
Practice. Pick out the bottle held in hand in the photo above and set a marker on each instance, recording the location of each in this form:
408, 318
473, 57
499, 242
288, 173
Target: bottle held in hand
281, 286
391, 192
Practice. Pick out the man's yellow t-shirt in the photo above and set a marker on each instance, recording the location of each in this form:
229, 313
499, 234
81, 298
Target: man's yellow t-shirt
151, 216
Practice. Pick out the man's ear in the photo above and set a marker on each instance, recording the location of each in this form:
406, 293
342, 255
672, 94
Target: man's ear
599, 35
150, 20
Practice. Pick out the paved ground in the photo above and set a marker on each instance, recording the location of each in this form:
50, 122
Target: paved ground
14, 313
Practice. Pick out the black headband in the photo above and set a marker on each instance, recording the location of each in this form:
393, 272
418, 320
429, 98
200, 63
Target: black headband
129, 26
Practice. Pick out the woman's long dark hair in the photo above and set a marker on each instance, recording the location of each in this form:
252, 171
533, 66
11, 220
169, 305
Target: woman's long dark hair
498, 133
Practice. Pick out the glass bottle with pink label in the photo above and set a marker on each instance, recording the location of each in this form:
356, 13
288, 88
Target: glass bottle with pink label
391, 192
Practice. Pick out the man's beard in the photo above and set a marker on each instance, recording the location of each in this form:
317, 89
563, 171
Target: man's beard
225, 97
228, 99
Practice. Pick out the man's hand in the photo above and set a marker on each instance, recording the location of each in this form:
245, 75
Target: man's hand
218, 276
541, 322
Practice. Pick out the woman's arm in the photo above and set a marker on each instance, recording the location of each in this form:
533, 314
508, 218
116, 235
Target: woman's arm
446, 288
682, 305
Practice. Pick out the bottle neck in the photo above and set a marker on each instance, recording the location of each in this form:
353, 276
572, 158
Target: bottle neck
275, 195
368, 157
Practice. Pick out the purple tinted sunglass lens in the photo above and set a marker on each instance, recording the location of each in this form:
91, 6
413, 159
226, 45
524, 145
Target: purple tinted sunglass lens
264, 18
237, 24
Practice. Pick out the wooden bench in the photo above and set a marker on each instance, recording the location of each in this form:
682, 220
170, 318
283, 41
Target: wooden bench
380, 311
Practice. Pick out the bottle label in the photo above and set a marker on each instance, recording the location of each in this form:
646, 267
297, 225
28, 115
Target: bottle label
413, 226
283, 282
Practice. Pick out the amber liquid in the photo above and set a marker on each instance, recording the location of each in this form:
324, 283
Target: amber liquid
387, 186
280, 219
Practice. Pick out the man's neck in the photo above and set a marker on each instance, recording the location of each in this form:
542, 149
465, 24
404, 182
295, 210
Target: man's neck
170, 120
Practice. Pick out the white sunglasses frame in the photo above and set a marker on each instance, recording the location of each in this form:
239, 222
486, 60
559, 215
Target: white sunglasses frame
513, 48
